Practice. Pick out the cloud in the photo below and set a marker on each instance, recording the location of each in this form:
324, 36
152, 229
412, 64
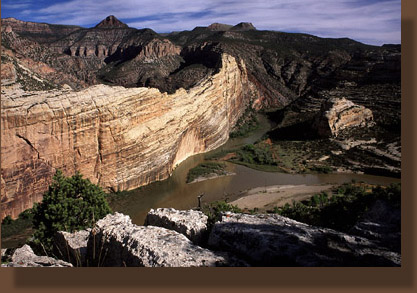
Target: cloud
370, 21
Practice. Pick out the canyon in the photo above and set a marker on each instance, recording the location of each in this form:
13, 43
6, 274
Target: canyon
120, 138
124, 106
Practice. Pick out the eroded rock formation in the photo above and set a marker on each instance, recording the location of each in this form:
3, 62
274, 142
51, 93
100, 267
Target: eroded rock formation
338, 114
39, 31
119, 138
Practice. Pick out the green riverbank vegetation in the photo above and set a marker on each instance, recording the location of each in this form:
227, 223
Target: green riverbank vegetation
206, 169
343, 208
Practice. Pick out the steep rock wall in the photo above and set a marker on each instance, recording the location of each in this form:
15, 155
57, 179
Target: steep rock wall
117, 137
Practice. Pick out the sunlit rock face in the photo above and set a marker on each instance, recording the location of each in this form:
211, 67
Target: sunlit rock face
338, 114
117, 137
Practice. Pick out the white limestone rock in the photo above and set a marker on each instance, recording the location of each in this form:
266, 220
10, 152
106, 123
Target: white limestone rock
191, 223
25, 257
115, 241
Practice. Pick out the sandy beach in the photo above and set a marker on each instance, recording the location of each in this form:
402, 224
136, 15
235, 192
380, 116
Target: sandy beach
265, 198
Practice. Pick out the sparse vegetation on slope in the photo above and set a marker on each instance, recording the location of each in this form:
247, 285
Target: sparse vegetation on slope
247, 123
342, 210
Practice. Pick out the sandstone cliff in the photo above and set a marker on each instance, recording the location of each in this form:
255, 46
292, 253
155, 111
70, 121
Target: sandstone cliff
119, 138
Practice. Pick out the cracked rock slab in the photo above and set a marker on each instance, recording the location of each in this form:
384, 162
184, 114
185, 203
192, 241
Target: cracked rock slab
115, 241
191, 223
273, 240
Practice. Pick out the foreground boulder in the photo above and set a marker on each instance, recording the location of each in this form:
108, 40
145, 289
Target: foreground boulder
72, 247
115, 241
191, 223
25, 257
273, 240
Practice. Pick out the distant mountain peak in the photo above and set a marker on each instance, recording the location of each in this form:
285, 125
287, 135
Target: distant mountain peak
244, 26
111, 22
219, 27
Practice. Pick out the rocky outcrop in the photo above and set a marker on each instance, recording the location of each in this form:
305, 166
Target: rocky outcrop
111, 22
243, 26
273, 240
72, 247
236, 240
115, 241
157, 49
30, 58
219, 27
25, 257
339, 114
118, 138
192, 224
40, 32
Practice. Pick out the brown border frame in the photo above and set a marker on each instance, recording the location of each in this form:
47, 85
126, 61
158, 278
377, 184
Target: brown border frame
262, 279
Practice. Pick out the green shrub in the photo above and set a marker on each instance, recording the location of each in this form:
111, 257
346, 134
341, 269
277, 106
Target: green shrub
256, 154
70, 204
215, 210
343, 209
321, 169
205, 169
247, 123
7, 221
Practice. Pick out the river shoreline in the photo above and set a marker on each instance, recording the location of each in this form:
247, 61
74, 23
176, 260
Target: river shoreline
268, 197
210, 176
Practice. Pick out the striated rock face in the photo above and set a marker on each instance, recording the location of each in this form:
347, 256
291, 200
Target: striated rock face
273, 240
25, 257
119, 138
72, 247
115, 241
338, 114
157, 49
190, 223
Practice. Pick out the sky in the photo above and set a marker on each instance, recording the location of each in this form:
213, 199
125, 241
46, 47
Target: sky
374, 22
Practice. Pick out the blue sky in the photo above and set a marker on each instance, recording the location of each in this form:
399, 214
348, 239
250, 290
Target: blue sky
369, 21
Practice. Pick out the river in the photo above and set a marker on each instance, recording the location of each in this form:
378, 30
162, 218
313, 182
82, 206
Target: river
174, 192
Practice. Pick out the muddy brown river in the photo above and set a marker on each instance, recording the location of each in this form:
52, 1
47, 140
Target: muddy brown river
176, 193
